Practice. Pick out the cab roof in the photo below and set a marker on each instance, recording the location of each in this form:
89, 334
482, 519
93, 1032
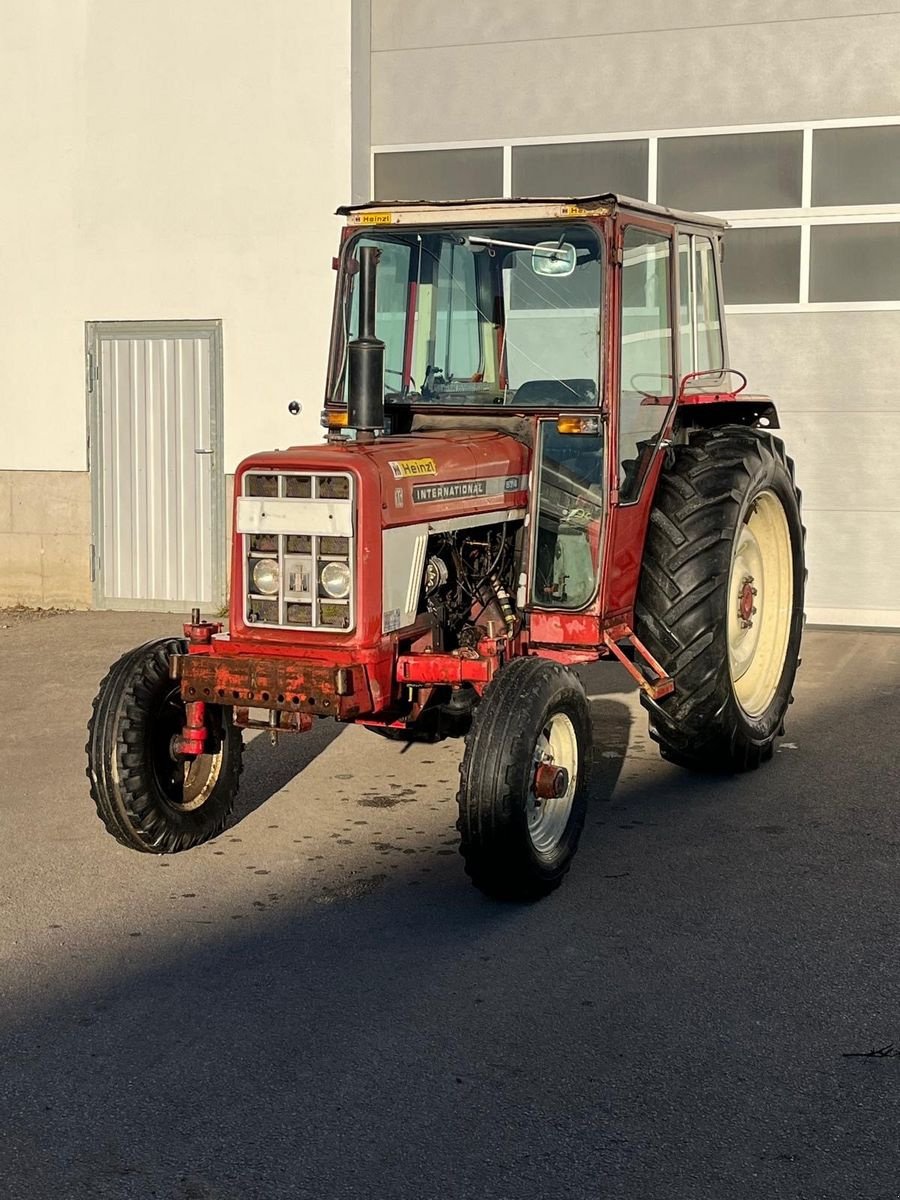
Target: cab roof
427, 212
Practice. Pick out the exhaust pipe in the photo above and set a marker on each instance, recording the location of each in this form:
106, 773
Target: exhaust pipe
365, 356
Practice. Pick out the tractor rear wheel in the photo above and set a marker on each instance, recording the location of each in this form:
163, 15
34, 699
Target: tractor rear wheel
148, 798
720, 600
523, 780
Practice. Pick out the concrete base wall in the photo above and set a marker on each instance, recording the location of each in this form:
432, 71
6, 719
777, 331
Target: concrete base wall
45, 538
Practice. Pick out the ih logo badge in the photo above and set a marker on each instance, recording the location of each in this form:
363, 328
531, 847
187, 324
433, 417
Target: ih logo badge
413, 468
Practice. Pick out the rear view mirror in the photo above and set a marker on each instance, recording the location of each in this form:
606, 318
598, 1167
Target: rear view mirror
553, 258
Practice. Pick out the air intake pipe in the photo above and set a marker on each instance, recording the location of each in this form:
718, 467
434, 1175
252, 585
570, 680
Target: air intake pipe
365, 356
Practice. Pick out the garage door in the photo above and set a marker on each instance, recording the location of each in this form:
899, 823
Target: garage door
156, 464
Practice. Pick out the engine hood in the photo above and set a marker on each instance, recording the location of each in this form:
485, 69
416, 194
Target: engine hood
405, 488
428, 477
422, 477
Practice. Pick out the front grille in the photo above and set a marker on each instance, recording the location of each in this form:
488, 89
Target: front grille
294, 534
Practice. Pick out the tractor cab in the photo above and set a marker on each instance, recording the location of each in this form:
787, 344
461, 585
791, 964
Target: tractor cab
583, 328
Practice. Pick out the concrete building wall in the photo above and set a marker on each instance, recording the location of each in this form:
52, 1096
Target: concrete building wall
510, 75
173, 160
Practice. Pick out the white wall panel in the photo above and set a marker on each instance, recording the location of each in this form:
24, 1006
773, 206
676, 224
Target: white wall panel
833, 377
846, 462
677, 78
169, 161
401, 25
832, 362
854, 568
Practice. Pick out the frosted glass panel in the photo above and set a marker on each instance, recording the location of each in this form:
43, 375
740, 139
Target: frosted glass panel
855, 262
581, 169
731, 172
762, 266
856, 166
439, 174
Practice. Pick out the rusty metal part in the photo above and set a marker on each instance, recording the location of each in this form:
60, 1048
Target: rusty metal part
664, 684
550, 781
343, 681
285, 722
200, 633
284, 684
451, 668
190, 743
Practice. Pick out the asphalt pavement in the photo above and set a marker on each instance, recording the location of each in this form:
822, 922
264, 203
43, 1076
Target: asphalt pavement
318, 1004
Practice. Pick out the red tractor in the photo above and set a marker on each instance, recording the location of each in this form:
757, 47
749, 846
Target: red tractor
537, 455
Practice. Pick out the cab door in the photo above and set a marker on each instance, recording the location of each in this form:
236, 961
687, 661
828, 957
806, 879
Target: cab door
647, 380
642, 397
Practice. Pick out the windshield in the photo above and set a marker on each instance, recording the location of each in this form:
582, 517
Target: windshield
493, 315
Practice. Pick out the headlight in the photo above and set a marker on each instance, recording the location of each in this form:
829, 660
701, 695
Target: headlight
335, 580
266, 576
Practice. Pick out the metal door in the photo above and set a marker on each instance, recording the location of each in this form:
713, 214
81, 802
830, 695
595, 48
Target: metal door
155, 402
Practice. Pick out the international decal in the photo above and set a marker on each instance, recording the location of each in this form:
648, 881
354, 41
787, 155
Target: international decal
432, 493
413, 468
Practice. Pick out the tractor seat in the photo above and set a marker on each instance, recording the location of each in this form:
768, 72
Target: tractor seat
556, 393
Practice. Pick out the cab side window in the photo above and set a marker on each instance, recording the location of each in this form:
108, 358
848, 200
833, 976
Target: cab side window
646, 371
706, 307
699, 317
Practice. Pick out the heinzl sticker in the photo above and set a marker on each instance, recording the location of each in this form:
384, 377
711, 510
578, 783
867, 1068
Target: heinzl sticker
428, 493
374, 218
412, 468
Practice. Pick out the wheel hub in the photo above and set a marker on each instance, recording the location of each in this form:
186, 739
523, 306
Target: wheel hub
550, 781
186, 780
553, 781
746, 607
760, 592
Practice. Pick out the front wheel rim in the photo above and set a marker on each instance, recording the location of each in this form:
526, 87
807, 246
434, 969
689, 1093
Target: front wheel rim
548, 819
186, 784
760, 604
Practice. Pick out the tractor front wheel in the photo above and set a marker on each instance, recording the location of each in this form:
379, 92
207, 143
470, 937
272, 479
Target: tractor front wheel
148, 797
720, 601
523, 780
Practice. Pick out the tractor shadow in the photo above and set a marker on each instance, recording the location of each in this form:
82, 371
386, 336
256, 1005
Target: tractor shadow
611, 724
612, 728
268, 768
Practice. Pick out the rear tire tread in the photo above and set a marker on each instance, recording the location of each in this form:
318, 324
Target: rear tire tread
687, 562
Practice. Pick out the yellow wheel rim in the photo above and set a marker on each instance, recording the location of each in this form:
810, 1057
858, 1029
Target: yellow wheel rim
760, 596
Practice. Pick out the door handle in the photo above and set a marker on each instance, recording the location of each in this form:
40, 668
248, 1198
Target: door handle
199, 451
